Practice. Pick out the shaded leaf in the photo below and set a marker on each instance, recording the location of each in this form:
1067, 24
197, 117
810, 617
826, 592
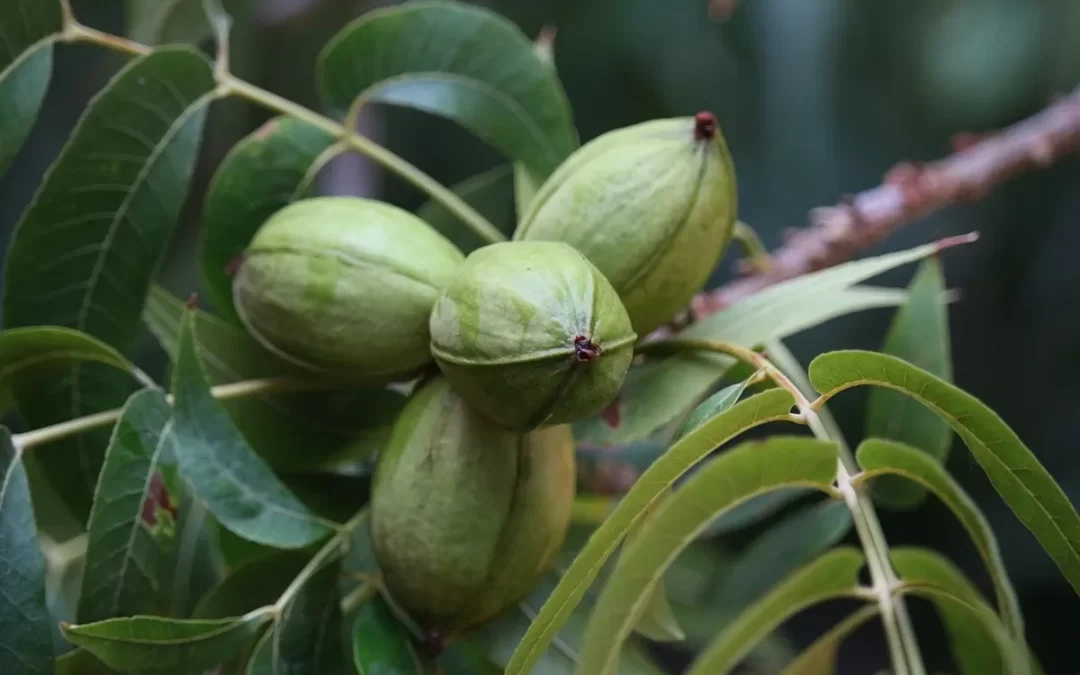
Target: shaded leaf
833, 575
971, 624
29, 28
749, 469
78, 661
879, 457
86, 249
1014, 471
499, 638
32, 358
795, 540
753, 511
132, 530
681, 457
920, 336
491, 193
711, 407
661, 390
148, 644
262, 174
241, 491
196, 566
25, 625
458, 61
820, 657
307, 636
332, 431
255, 584
381, 645
168, 21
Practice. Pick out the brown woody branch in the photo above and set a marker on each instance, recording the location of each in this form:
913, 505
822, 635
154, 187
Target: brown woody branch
909, 192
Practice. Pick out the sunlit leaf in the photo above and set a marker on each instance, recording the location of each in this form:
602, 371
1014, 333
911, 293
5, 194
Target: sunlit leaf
1014, 471
25, 625
879, 457
920, 336
31, 358
795, 540
820, 657
491, 193
661, 390
86, 249
833, 575
319, 431
237, 487
132, 531
382, 646
971, 624
153, 645
747, 470
263, 173
458, 61
657, 621
29, 28
681, 457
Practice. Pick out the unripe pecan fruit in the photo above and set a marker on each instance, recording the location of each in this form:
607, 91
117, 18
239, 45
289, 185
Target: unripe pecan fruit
466, 516
652, 205
530, 333
344, 286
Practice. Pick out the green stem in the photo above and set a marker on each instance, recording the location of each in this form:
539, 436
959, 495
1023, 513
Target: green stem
336, 545
232, 86
756, 253
900, 634
242, 389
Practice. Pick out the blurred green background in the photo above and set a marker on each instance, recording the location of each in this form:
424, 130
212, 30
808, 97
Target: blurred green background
817, 98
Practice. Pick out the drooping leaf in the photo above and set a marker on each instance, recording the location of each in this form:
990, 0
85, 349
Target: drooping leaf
820, 657
657, 620
29, 28
382, 646
498, 639
196, 566
491, 193
153, 645
458, 61
322, 431
169, 21
86, 249
307, 636
681, 457
32, 358
661, 390
263, 173
920, 336
25, 625
833, 575
781, 549
971, 624
1014, 471
132, 530
257, 583
740, 473
879, 457
237, 487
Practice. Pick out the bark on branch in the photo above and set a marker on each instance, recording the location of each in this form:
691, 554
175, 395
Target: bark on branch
909, 192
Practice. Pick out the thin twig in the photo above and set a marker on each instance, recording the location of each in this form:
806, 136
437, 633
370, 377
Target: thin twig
911, 191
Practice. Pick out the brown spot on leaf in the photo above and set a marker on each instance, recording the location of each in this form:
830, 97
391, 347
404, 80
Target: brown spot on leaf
192, 301
158, 502
611, 414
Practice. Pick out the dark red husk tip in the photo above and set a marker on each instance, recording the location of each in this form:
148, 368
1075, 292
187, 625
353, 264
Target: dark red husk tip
585, 350
704, 125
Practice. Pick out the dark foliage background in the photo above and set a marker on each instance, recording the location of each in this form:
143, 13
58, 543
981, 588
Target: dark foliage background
816, 99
